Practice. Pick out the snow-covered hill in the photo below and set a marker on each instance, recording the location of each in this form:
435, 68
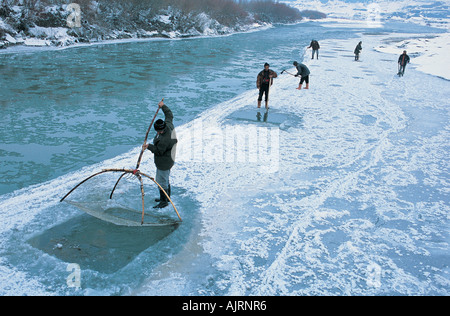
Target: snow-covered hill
14, 29
429, 52
434, 13
42, 24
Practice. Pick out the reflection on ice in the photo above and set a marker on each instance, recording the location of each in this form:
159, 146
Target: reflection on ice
271, 117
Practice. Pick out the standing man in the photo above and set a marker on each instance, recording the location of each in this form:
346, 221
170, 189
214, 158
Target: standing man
403, 60
315, 48
263, 83
303, 72
164, 149
358, 50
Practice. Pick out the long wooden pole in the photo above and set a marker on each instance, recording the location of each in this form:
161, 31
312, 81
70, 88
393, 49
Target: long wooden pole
135, 172
142, 196
285, 71
146, 137
141, 154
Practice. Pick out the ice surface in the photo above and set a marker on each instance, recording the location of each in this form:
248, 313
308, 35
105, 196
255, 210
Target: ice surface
358, 206
429, 53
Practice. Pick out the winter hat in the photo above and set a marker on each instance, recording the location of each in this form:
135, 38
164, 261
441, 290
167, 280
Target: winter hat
266, 64
295, 63
160, 125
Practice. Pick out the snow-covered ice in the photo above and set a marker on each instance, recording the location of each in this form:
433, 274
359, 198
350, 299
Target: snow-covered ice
348, 196
359, 204
429, 53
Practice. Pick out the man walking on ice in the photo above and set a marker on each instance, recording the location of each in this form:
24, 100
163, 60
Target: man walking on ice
403, 60
263, 83
164, 148
358, 50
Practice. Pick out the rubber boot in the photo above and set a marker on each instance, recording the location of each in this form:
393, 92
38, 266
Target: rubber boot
267, 105
259, 104
161, 194
163, 202
299, 87
307, 86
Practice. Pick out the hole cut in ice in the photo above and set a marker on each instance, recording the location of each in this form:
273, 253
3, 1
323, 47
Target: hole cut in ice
98, 245
264, 117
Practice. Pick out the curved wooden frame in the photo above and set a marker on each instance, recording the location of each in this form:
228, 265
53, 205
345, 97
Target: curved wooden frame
136, 172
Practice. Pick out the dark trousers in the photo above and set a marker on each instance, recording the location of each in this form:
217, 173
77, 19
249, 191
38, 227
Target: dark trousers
162, 177
402, 70
264, 89
304, 79
315, 51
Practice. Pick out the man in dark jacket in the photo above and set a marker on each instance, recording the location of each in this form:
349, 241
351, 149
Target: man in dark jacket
358, 50
164, 149
303, 72
263, 83
403, 60
315, 48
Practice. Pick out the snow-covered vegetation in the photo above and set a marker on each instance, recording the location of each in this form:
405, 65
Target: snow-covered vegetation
60, 23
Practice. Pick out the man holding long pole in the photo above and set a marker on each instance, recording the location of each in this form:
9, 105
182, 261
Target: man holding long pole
263, 82
164, 150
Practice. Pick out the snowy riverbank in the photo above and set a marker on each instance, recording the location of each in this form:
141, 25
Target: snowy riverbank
429, 53
43, 24
57, 37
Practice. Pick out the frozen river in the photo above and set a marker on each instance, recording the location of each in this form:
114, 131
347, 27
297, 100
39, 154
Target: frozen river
342, 189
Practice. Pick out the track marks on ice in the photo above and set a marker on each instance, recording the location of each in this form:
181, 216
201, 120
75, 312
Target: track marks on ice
351, 225
337, 217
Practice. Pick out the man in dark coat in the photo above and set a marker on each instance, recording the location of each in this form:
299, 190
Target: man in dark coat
403, 60
263, 83
315, 48
358, 50
164, 149
303, 72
